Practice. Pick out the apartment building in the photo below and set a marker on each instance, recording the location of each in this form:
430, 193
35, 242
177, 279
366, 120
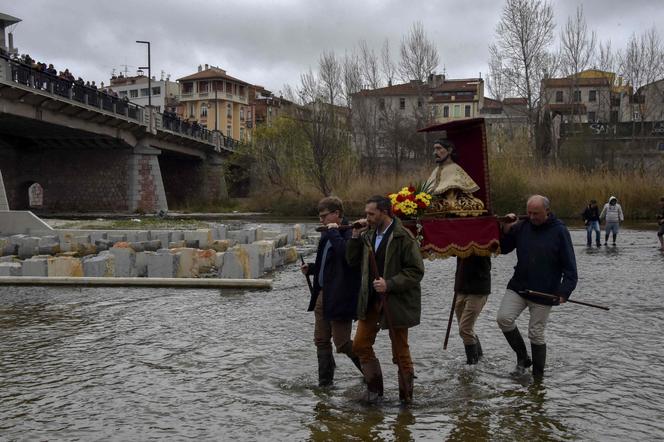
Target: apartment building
266, 106
216, 101
455, 99
136, 89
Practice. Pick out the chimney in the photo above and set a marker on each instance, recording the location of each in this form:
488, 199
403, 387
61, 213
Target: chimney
206, 66
200, 68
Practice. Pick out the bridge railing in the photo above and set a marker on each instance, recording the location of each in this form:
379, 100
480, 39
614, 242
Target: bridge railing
171, 122
43, 81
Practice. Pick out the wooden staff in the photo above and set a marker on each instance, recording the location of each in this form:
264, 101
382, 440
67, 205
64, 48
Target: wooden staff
311, 287
355, 225
454, 298
555, 298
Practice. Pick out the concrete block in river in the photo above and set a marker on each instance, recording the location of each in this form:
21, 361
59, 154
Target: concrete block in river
162, 265
64, 266
239, 236
221, 245
294, 233
267, 248
102, 265
254, 265
125, 259
49, 245
203, 236
98, 236
187, 262
9, 258
137, 235
142, 263
289, 254
16, 239
219, 231
205, 260
153, 245
85, 248
177, 244
282, 240
35, 266
163, 236
233, 264
7, 248
177, 235
103, 244
191, 244
117, 237
219, 261
28, 247
10, 269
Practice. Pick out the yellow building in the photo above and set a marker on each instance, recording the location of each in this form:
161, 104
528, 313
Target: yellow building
216, 101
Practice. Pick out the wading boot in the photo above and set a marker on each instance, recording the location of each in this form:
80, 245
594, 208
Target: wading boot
522, 360
480, 353
347, 349
373, 376
472, 355
326, 367
406, 387
539, 359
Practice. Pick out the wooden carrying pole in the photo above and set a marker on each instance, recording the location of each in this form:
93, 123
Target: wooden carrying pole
311, 287
554, 298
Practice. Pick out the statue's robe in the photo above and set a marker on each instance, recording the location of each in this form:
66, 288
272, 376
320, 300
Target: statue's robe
449, 176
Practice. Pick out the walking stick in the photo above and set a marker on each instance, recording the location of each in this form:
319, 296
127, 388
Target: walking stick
554, 297
449, 322
311, 287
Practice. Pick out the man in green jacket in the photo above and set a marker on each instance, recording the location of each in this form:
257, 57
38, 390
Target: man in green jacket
390, 299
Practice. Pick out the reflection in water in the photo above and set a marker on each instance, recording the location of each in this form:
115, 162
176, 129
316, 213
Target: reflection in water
135, 364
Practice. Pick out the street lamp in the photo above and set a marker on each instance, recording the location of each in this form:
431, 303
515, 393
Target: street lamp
149, 73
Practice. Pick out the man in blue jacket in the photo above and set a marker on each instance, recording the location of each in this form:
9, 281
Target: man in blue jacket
335, 288
545, 263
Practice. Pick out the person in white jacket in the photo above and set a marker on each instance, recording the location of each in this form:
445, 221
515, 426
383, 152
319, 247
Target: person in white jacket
613, 214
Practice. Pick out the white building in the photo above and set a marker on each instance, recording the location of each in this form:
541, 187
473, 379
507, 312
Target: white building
164, 92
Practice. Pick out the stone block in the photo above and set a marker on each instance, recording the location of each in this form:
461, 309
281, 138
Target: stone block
255, 264
98, 236
177, 235
294, 233
221, 245
49, 245
125, 259
267, 248
103, 244
142, 263
137, 246
290, 254
239, 236
203, 236
35, 266
85, 248
64, 266
117, 237
138, 235
205, 260
9, 258
219, 231
278, 257
8, 248
282, 240
152, 246
191, 244
102, 265
10, 269
176, 244
163, 236
16, 239
28, 247
233, 264
219, 261
162, 265
187, 262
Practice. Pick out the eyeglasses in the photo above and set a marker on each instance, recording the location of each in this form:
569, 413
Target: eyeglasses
323, 215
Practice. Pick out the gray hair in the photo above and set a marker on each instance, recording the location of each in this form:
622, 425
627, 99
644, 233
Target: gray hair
544, 200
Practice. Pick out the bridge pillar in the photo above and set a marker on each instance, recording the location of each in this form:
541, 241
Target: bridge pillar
146, 188
4, 205
214, 184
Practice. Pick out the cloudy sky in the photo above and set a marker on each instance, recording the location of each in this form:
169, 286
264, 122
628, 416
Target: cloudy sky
271, 42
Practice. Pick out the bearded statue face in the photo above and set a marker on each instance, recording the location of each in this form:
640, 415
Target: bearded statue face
441, 154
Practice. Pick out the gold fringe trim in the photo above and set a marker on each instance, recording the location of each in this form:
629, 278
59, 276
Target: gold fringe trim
432, 252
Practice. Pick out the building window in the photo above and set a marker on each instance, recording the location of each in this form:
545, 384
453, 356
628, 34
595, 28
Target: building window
229, 132
204, 110
592, 96
242, 133
559, 96
202, 86
467, 110
229, 110
187, 88
249, 115
133, 93
381, 103
446, 111
457, 110
156, 90
591, 117
577, 96
192, 110
241, 114
402, 103
122, 93
145, 92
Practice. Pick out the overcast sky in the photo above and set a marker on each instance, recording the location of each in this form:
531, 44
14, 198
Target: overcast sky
271, 42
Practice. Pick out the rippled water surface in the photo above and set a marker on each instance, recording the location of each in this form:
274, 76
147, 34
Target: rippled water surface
141, 364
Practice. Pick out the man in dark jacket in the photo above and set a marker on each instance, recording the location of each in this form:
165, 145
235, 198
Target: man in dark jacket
390, 299
591, 220
472, 284
334, 296
545, 263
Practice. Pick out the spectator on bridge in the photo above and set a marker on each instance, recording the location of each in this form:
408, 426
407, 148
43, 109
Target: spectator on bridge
51, 70
93, 85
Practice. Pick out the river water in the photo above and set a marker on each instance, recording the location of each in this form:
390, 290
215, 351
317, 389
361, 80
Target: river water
143, 364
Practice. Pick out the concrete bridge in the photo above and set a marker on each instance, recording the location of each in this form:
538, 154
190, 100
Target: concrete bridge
67, 147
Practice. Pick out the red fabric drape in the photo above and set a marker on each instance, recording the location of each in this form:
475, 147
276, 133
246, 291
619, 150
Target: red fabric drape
461, 237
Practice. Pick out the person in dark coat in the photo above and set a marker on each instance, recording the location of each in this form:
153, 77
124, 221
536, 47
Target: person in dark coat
335, 287
472, 284
591, 220
546, 264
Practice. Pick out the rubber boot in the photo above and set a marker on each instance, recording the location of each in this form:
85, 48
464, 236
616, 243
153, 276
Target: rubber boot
516, 342
347, 349
539, 359
471, 354
373, 376
480, 353
326, 367
406, 387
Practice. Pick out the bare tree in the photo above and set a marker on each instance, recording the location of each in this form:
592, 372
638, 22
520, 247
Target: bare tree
523, 36
330, 72
352, 77
605, 60
577, 44
419, 56
387, 63
369, 67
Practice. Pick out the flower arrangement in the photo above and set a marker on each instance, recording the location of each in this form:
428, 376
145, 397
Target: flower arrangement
411, 201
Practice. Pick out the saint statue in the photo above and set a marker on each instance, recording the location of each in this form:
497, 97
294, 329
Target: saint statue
451, 187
